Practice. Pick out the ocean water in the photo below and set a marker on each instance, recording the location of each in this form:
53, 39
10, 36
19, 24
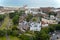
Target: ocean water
31, 3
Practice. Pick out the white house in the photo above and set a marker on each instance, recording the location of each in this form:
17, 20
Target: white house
34, 26
52, 17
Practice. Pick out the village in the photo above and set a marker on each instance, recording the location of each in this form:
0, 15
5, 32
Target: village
32, 20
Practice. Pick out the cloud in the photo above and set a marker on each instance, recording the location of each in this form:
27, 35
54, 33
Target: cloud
54, 3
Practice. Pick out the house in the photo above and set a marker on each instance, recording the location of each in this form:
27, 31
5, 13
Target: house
23, 26
2, 12
33, 11
58, 16
1, 7
44, 24
52, 17
22, 18
46, 9
47, 21
34, 26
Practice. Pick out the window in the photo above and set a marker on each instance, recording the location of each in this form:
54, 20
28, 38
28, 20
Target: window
35, 26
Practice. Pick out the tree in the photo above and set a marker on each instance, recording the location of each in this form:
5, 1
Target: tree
11, 15
52, 27
15, 27
15, 33
58, 27
2, 17
46, 30
2, 33
34, 19
52, 13
25, 37
9, 31
42, 35
16, 20
29, 17
21, 12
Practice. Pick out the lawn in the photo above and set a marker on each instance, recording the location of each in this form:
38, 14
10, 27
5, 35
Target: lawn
4, 25
2, 38
10, 38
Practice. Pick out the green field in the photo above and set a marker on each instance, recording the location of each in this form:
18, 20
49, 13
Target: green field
4, 25
10, 38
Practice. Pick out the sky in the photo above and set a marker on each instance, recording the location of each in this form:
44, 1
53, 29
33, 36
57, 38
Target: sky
31, 3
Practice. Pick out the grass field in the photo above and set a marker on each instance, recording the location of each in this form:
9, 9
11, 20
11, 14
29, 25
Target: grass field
4, 25
10, 38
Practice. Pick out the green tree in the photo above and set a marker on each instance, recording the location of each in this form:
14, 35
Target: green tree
2, 17
42, 35
2, 33
57, 27
46, 30
16, 20
25, 37
34, 19
11, 15
21, 12
29, 17
9, 31
15, 33
52, 13
52, 27
15, 27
